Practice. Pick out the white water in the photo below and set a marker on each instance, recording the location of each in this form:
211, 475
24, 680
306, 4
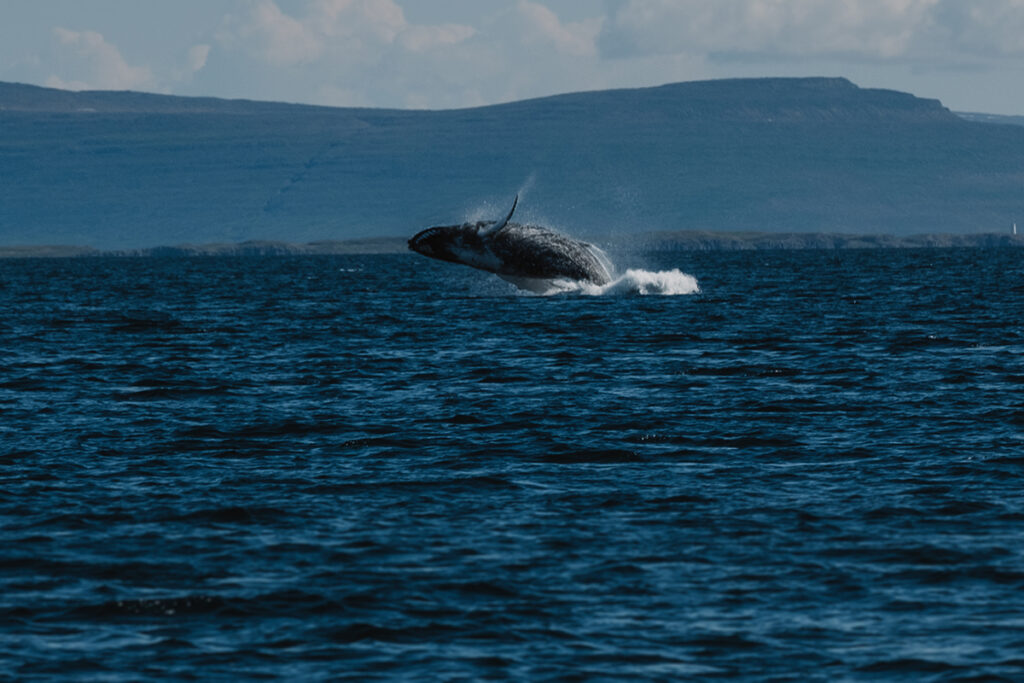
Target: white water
633, 281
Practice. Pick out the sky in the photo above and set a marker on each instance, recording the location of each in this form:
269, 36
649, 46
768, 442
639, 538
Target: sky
442, 54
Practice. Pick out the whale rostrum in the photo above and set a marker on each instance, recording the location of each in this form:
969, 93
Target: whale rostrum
521, 254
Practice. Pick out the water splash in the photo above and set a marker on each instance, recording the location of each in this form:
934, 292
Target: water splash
633, 282
527, 185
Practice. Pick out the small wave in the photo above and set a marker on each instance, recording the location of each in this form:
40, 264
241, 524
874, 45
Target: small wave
633, 281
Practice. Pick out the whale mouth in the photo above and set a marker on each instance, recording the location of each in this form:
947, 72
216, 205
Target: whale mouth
420, 242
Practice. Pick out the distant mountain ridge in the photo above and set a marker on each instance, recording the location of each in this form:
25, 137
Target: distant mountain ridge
124, 170
799, 97
23, 97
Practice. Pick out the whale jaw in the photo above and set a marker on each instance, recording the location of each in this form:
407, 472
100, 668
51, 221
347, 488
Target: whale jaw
457, 244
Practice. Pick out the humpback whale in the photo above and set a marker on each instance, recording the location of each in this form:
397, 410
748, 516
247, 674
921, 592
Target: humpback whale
528, 256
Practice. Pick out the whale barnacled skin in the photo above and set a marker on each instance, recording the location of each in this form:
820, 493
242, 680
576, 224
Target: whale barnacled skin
534, 252
513, 251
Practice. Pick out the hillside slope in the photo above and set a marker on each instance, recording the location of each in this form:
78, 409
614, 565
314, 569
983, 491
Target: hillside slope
128, 170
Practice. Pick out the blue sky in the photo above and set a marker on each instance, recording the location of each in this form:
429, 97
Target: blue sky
460, 53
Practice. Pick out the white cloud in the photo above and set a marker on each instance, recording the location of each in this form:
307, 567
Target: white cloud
350, 52
99, 64
369, 53
422, 38
279, 39
576, 38
468, 52
984, 27
380, 20
938, 31
197, 56
866, 28
336, 31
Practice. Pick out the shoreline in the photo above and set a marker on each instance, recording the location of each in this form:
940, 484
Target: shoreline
649, 242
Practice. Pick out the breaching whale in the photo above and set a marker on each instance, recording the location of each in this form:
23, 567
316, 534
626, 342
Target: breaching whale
528, 256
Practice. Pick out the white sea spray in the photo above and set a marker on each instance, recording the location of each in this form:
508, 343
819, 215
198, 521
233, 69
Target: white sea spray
634, 281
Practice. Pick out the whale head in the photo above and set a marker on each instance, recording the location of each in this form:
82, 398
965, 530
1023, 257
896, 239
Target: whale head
464, 243
443, 242
468, 243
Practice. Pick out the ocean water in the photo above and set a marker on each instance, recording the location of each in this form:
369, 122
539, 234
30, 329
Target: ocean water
805, 465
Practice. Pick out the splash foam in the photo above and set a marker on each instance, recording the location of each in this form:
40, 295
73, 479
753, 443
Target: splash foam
634, 281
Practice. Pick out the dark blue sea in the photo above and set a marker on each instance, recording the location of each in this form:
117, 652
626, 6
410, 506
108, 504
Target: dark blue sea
387, 467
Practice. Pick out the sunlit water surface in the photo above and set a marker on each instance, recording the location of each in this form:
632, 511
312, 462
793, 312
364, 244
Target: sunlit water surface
385, 466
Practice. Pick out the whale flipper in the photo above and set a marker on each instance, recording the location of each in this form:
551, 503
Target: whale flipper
495, 227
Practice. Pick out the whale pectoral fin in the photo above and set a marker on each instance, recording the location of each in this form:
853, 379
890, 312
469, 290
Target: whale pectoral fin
495, 227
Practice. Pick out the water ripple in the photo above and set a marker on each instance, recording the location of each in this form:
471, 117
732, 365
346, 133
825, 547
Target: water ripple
393, 467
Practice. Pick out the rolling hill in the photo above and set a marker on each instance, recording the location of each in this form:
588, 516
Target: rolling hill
124, 170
